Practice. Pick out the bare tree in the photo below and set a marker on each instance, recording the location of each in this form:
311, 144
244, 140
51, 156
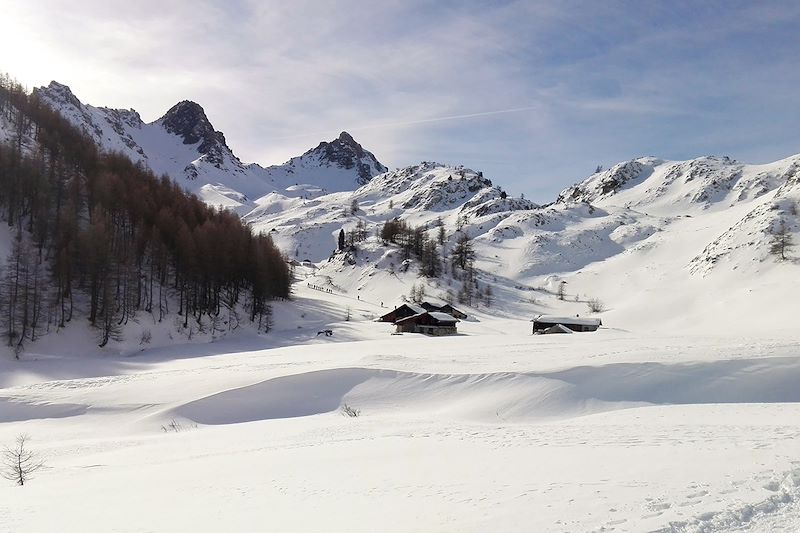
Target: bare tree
781, 241
19, 462
349, 411
595, 305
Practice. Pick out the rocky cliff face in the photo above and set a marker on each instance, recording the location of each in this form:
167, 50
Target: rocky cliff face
346, 153
188, 121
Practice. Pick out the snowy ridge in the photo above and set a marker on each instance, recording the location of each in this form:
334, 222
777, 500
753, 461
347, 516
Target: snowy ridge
421, 194
185, 146
704, 182
339, 165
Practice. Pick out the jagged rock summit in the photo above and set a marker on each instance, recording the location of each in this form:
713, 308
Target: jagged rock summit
188, 120
345, 152
335, 166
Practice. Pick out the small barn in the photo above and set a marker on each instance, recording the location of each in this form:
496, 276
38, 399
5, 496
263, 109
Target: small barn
429, 323
402, 311
576, 323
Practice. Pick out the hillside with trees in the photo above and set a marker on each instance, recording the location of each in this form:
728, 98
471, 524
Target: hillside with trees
96, 237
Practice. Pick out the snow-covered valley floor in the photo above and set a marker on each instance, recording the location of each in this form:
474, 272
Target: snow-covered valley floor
491, 430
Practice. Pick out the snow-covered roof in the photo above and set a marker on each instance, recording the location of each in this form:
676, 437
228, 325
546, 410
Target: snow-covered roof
443, 317
436, 315
548, 319
418, 309
411, 317
558, 328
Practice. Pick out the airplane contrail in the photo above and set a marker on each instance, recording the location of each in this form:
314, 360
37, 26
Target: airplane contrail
412, 122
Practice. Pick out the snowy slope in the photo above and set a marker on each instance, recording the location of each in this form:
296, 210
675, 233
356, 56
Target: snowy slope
421, 194
184, 145
683, 243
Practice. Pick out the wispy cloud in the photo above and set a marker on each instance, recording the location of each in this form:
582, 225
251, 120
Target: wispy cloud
534, 93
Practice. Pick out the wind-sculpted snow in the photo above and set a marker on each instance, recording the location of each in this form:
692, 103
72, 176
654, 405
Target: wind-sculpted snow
16, 410
510, 396
490, 429
480, 397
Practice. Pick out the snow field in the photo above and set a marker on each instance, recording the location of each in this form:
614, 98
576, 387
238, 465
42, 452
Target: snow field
610, 431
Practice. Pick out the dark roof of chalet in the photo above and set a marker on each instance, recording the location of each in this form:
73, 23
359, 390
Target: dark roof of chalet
439, 318
451, 306
578, 321
416, 309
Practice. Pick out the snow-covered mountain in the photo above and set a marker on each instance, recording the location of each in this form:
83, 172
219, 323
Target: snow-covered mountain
643, 226
423, 194
339, 165
768, 193
184, 145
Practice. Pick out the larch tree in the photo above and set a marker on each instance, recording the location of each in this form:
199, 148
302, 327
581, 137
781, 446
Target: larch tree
781, 241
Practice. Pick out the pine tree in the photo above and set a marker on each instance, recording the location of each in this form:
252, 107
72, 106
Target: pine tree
463, 253
340, 241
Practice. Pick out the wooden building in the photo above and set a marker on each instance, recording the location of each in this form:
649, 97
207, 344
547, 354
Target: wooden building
544, 322
429, 323
403, 311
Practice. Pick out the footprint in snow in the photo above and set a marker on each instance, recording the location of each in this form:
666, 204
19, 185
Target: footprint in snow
659, 506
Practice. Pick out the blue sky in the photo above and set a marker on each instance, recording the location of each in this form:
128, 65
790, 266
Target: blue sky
535, 94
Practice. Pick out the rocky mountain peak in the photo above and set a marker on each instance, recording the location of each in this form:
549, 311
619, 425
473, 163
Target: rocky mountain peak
58, 92
347, 138
188, 120
346, 153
